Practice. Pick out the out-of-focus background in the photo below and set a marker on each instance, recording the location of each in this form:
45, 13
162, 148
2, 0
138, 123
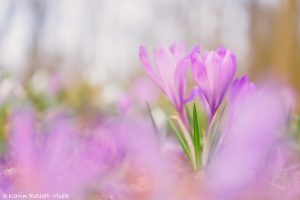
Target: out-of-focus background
98, 40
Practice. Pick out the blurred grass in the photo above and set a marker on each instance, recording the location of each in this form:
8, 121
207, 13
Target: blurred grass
3, 126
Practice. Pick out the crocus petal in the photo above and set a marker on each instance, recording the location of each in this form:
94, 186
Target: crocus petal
197, 92
213, 65
227, 71
171, 65
200, 75
221, 51
193, 94
149, 69
166, 66
180, 79
239, 86
178, 50
195, 51
213, 73
251, 125
206, 105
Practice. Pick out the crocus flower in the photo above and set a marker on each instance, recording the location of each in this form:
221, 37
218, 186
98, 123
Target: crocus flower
112, 159
213, 73
147, 170
252, 123
57, 160
170, 72
240, 88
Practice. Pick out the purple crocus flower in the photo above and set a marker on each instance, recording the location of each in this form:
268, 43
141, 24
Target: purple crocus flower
149, 169
55, 159
241, 88
213, 73
170, 72
250, 127
112, 159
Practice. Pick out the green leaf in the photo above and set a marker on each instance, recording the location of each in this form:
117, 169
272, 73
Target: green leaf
189, 117
182, 141
298, 125
196, 137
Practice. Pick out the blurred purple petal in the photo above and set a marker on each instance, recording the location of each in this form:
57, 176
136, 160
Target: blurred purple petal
251, 126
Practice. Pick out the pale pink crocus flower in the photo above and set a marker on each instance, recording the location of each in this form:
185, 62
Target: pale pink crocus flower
170, 72
213, 73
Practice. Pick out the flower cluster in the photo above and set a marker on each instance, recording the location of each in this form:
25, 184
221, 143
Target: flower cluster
213, 73
229, 138
236, 150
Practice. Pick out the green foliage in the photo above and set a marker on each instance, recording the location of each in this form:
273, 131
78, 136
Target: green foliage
3, 122
190, 137
182, 141
196, 138
298, 125
38, 100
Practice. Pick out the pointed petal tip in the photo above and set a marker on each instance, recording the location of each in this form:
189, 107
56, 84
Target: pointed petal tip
221, 51
158, 51
176, 45
178, 50
244, 78
196, 49
142, 50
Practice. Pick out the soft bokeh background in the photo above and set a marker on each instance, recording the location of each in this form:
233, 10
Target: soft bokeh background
77, 107
98, 40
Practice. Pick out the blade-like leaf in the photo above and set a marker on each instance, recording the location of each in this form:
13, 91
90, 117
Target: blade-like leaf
189, 117
298, 125
196, 137
181, 140
188, 138
151, 117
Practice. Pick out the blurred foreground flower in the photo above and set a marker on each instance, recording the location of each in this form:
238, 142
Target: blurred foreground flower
55, 160
253, 125
110, 159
